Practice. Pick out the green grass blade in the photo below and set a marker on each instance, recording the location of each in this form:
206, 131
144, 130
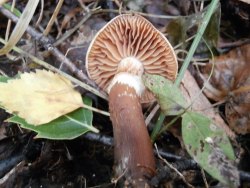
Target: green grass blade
212, 7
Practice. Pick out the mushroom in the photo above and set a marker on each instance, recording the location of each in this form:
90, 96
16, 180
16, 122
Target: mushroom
121, 52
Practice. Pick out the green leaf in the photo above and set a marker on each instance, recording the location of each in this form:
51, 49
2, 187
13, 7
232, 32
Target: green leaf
167, 94
4, 79
211, 34
65, 127
210, 147
15, 11
177, 29
211, 7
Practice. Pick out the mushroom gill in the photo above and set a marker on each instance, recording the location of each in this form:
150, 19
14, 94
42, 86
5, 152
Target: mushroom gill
130, 36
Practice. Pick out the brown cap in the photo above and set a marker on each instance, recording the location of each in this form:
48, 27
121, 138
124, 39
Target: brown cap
130, 36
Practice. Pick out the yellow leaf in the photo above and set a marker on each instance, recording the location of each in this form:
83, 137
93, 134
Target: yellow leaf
39, 97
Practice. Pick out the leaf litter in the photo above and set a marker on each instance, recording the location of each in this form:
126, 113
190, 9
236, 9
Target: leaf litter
210, 148
95, 178
39, 97
206, 142
230, 82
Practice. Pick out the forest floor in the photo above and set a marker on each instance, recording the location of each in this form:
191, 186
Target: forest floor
87, 161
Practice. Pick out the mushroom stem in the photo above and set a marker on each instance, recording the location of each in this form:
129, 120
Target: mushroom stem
121, 52
132, 146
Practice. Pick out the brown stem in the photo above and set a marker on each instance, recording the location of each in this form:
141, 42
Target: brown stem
132, 146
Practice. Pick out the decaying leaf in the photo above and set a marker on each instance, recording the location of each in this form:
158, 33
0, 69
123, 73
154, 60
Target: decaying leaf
211, 33
167, 94
69, 16
210, 147
207, 143
200, 103
231, 82
39, 97
238, 107
177, 29
246, 1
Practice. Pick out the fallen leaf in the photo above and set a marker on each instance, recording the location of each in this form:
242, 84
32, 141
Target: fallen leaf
238, 106
200, 103
66, 127
39, 97
231, 82
167, 94
210, 147
245, 1
70, 15
178, 29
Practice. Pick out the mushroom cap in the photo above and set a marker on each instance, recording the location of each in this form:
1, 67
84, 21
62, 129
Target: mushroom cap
130, 35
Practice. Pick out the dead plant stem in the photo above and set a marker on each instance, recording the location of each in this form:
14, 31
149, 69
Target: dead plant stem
71, 31
53, 17
47, 44
7, 33
40, 14
172, 167
134, 12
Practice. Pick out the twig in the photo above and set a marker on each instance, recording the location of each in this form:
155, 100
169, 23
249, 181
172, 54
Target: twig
118, 4
152, 114
2, 73
52, 68
187, 164
7, 33
107, 140
204, 178
10, 173
21, 25
96, 110
40, 14
233, 44
115, 180
46, 42
71, 31
8, 163
134, 12
173, 168
244, 176
103, 139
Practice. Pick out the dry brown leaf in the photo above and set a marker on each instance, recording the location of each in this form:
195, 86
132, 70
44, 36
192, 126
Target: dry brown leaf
231, 82
245, 1
200, 103
39, 97
238, 104
71, 14
228, 71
